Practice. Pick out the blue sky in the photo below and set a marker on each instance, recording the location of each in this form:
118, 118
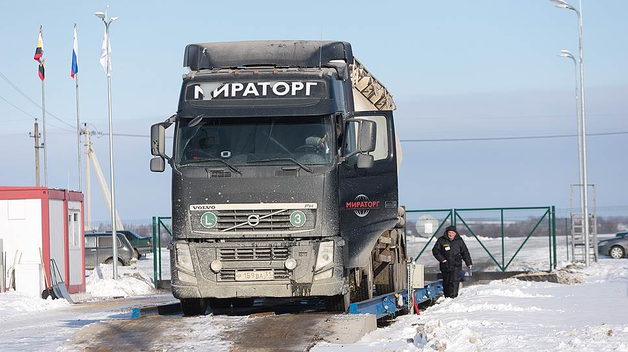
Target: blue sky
457, 69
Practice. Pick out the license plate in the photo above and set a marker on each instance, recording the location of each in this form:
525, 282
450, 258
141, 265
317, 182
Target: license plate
254, 275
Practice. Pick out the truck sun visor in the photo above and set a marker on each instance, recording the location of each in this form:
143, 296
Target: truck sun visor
277, 53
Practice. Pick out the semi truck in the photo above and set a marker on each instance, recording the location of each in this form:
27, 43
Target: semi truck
284, 177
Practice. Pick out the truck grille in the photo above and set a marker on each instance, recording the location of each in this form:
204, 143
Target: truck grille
230, 218
257, 253
253, 218
230, 274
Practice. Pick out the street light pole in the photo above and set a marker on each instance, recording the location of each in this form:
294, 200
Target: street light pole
567, 54
114, 234
583, 138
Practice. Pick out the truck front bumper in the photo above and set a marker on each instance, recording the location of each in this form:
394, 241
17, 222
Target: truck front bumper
254, 269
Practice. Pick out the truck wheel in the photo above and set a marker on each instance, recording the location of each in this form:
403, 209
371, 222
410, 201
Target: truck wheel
400, 266
339, 303
193, 306
220, 303
137, 254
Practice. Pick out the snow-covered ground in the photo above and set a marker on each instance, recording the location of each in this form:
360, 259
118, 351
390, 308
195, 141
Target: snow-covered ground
506, 315
34, 324
514, 315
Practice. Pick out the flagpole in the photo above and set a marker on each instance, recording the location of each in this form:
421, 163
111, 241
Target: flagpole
78, 120
78, 135
39, 57
43, 113
107, 21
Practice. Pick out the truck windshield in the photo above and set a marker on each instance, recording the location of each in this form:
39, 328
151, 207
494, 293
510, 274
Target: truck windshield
308, 140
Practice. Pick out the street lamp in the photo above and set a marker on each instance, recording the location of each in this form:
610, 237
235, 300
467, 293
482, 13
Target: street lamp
567, 54
114, 233
584, 192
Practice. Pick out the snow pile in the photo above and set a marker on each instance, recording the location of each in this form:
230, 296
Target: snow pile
131, 282
515, 315
455, 307
437, 336
12, 303
508, 293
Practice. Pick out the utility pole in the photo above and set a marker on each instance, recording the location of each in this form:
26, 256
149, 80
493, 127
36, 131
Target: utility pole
35, 135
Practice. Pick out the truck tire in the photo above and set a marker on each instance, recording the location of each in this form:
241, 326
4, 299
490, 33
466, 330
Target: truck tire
193, 306
339, 303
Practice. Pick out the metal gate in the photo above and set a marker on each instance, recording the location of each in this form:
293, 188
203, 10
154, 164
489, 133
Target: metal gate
161, 229
434, 220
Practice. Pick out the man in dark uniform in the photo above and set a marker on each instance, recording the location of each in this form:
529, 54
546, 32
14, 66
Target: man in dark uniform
450, 250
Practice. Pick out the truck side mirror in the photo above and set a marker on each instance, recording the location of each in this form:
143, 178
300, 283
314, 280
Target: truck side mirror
365, 161
367, 133
157, 140
157, 164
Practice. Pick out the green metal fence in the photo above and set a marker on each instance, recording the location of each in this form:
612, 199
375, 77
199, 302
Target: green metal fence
534, 222
159, 228
454, 216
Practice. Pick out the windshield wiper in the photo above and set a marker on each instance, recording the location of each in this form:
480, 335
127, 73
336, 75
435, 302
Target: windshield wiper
231, 167
281, 159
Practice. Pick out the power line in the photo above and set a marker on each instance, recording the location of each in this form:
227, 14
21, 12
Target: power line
26, 113
31, 100
507, 138
16, 107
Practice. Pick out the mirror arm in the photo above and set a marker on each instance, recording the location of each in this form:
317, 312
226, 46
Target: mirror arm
169, 121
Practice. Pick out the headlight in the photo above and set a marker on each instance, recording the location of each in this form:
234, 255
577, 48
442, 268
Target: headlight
184, 259
325, 255
290, 264
216, 266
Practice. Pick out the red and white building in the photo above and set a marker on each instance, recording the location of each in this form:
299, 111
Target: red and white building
38, 224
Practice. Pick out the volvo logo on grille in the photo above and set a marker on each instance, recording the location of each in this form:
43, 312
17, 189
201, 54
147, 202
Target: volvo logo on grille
253, 220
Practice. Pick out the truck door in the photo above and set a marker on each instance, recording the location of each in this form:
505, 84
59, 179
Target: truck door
368, 196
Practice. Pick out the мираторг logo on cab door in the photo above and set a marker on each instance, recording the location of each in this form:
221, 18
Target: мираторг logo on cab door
362, 205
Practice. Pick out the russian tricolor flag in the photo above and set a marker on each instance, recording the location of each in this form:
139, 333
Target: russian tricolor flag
75, 55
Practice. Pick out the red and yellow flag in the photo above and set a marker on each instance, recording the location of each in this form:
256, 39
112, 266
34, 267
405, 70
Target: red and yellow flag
39, 55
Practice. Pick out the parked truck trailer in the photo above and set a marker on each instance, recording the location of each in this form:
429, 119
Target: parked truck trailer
284, 177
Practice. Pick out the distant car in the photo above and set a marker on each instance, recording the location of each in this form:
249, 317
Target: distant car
616, 247
98, 249
141, 245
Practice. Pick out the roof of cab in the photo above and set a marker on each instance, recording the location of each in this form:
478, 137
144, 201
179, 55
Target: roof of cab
277, 53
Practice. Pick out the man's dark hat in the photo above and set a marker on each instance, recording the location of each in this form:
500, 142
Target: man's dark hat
451, 228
